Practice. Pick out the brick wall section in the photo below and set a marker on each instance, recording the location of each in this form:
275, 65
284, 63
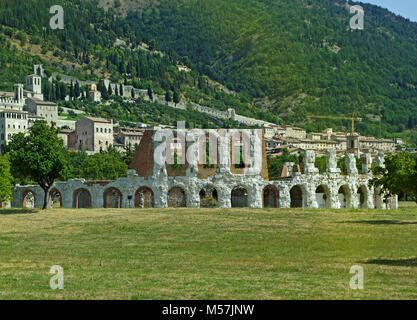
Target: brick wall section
143, 160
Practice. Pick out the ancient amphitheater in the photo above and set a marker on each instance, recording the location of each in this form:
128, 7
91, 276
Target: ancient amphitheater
170, 170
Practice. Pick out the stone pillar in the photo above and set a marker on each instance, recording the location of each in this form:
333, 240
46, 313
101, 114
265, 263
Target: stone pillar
311, 196
193, 194
331, 162
394, 202
366, 163
290, 167
255, 196
370, 203
380, 160
309, 162
161, 195
284, 197
97, 196
354, 198
192, 140
224, 195
352, 170
224, 152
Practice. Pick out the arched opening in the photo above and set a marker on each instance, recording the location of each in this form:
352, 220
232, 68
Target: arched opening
209, 197
28, 199
323, 196
177, 198
55, 198
344, 197
82, 199
297, 197
363, 197
112, 198
240, 197
270, 196
144, 198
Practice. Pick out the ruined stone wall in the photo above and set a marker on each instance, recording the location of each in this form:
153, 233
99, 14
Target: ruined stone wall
294, 189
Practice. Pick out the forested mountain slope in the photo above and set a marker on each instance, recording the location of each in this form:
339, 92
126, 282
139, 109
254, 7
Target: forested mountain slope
285, 58
297, 57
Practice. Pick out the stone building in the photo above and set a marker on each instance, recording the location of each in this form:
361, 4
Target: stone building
153, 180
128, 136
11, 122
93, 134
34, 87
46, 110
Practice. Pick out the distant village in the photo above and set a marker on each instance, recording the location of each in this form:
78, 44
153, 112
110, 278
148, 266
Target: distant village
21, 108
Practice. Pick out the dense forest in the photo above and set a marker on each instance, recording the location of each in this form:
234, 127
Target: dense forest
297, 57
285, 59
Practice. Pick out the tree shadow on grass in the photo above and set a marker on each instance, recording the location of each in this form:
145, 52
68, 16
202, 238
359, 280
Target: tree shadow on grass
383, 222
17, 211
408, 262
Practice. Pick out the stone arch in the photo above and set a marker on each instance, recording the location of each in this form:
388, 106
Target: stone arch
82, 198
209, 197
144, 198
112, 198
55, 196
240, 197
28, 199
298, 197
177, 198
270, 197
323, 196
362, 197
344, 197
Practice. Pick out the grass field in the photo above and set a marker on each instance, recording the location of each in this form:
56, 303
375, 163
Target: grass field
208, 253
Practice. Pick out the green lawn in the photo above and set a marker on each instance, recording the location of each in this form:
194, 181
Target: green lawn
208, 253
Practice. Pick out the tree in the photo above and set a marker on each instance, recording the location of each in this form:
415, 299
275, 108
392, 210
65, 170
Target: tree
104, 166
398, 177
132, 93
150, 93
109, 90
38, 156
71, 91
168, 96
77, 90
176, 97
5, 179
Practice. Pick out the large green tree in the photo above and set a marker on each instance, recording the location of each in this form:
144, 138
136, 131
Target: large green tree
399, 175
38, 156
5, 179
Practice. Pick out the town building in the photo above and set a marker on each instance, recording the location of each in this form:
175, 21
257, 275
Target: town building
128, 136
93, 134
44, 109
11, 122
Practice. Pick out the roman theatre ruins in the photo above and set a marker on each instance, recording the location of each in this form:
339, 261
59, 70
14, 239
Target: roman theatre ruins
201, 168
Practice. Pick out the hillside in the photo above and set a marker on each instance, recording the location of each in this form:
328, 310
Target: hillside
297, 57
97, 44
285, 59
